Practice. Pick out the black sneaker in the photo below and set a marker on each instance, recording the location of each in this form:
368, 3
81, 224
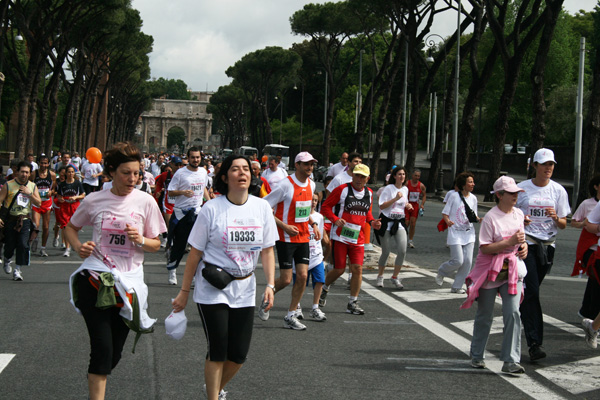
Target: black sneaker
354, 308
536, 352
323, 298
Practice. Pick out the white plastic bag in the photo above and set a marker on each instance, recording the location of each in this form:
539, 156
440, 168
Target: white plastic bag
176, 324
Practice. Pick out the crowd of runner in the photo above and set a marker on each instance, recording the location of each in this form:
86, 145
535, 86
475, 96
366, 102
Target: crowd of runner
227, 213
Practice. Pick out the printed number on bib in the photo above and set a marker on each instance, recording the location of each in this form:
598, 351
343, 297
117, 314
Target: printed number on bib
44, 194
22, 200
244, 234
397, 211
413, 197
537, 209
302, 211
114, 239
350, 233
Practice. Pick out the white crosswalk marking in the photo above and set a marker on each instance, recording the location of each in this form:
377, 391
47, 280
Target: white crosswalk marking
576, 377
4, 360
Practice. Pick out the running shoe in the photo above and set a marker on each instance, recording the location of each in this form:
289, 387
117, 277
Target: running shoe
222, 394
172, 277
293, 323
163, 243
477, 363
354, 308
7, 265
318, 315
262, 312
536, 352
67, 253
380, 281
43, 252
591, 335
299, 314
322, 298
17, 275
411, 244
458, 290
439, 279
397, 283
513, 368
56, 242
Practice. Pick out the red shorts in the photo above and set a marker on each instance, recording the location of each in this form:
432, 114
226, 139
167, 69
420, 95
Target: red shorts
44, 208
408, 214
168, 207
356, 253
65, 212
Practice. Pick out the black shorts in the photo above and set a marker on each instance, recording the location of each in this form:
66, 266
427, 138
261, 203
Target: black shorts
228, 331
299, 253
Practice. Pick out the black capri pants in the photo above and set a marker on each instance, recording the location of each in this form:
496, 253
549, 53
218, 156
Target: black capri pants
228, 331
106, 328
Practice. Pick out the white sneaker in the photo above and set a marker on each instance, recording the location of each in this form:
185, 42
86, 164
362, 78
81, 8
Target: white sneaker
17, 275
222, 394
43, 252
173, 277
262, 313
458, 290
380, 281
56, 242
411, 244
439, 279
369, 247
293, 323
591, 336
299, 314
318, 315
67, 253
163, 243
397, 283
7, 266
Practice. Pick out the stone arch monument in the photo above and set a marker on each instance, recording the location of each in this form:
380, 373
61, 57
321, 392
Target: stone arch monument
189, 115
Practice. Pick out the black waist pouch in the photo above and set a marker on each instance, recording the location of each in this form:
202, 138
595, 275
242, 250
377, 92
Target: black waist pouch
216, 276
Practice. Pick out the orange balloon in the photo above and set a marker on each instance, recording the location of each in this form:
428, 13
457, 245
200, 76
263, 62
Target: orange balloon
265, 158
93, 155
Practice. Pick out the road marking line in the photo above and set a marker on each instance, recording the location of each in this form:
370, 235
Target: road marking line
576, 377
525, 384
4, 360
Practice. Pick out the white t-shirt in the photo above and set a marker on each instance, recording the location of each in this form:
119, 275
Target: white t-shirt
221, 232
34, 166
107, 185
534, 201
155, 169
447, 196
282, 165
594, 218
396, 210
339, 180
584, 209
76, 161
89, 170
273, 177
316, 250
463, 231
336, 169
185, 179
108, 214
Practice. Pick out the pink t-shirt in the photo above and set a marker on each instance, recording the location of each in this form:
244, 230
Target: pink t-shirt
496, 226
109, 213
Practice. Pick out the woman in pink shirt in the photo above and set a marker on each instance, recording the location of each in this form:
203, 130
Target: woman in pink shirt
499, 269
125, 223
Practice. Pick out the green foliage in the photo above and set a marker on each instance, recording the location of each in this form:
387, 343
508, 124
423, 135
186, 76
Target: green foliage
173, 89
176, 136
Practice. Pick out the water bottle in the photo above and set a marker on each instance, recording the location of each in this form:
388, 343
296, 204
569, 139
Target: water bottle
421, 211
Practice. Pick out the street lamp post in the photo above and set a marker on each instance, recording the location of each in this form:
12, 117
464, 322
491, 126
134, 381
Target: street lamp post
456, 84
430, 43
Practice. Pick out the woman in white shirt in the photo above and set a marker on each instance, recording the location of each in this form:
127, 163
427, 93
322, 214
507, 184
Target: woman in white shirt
229, 233
393, 200
545, 204
461, 232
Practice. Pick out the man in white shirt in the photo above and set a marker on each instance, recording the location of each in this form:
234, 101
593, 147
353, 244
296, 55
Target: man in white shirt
281, 164
188, 188
34, 165
274, 174
345, 176
155, 166
339, 167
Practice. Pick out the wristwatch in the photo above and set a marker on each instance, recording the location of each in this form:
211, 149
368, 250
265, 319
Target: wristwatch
141, 244
272, 287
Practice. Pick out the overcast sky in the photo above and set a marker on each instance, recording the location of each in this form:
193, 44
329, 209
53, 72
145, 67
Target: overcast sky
197, 40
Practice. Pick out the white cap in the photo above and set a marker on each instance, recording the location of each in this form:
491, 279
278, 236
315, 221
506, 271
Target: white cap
304, 156
543, 155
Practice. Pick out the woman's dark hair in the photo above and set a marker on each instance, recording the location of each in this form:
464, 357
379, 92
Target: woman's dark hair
326, 180
74, 171
461, 179
121, 153
595, 181
392, 179
218, 181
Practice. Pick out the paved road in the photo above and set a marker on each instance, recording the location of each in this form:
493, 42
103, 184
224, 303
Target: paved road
411, 344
